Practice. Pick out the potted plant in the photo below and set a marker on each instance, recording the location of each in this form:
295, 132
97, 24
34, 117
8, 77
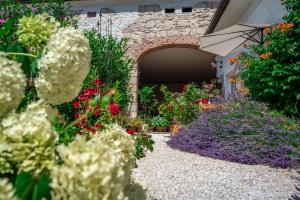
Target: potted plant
160, 123
204, 95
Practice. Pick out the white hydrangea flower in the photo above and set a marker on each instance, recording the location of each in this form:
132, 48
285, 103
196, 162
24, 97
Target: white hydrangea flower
121, 142
34, 31
12, 84
90, 171
7, 190
5, 156
63, 67
31, 139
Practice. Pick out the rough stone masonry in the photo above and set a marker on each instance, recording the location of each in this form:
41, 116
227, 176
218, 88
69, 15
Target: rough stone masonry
148, 25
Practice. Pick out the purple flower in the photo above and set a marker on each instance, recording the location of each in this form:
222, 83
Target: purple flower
34, 9
2, 20
241, 134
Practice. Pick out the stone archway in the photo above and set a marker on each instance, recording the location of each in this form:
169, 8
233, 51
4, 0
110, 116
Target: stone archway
139, 51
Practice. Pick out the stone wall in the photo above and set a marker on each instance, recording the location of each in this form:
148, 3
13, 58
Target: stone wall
148, 31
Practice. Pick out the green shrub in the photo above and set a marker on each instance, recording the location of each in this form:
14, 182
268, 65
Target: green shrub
148, 100
274, 76
159, 121
110, 61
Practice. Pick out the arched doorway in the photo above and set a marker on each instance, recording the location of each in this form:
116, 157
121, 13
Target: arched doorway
173, 61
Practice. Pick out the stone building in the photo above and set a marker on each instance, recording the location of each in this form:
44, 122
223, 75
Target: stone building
163, 38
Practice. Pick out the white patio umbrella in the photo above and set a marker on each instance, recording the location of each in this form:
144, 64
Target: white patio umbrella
224, 41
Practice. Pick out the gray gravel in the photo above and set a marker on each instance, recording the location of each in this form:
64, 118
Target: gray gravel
172, 174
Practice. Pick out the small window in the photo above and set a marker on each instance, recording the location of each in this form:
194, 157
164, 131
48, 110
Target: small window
106, 11
187, 9
170, 10
149, 8
91, 14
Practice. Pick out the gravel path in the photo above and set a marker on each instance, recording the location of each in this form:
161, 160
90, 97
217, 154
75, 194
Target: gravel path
175, 175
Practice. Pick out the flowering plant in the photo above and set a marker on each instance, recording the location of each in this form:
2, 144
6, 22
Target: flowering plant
274, 75
95, 167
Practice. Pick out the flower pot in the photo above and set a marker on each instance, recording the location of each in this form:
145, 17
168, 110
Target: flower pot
160, 129
204, 100
175, 129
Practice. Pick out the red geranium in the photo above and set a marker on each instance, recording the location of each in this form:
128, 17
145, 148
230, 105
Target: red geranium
97, 82
76, 104
131, 131
185, 87
76, 115
97, 126
114, 109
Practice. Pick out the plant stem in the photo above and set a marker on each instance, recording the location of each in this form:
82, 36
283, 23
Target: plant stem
74, 122
22, 54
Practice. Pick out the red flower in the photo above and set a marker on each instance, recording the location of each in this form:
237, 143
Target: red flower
184, 87
131, 131
97, 126
76, 115
84, 97
96, 113
97, 82
80, 125
76, 104
89, 91
87, 108
114, 109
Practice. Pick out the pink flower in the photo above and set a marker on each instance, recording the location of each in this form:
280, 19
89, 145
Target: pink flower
2, 20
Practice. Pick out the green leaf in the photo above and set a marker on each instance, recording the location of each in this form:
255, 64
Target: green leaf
24, 185
105, 101
27, 187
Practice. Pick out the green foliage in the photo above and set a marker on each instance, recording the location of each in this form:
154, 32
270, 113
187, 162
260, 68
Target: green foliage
142, 142
274, 77
148, 100
110, 65
159, 121
181, 108
12, 11
29, 187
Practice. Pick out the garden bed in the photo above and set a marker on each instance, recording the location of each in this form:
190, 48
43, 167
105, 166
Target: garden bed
246, 133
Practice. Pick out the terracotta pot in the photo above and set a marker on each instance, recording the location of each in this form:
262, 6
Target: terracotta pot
204, 100
160, 129
175, 129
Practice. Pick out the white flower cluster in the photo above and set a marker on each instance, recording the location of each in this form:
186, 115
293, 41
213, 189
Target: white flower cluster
5, 156
12, 85
94, 169
121, 142
63, 67
31, 138
7, 190
34, 31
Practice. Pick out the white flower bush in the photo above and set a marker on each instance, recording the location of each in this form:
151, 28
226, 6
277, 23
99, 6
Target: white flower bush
7, 191
63, 67
30, 139
12, 84
90, 171
120, 141
91, 168
34, 31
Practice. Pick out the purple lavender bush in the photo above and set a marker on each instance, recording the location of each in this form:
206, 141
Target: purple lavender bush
245, 132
